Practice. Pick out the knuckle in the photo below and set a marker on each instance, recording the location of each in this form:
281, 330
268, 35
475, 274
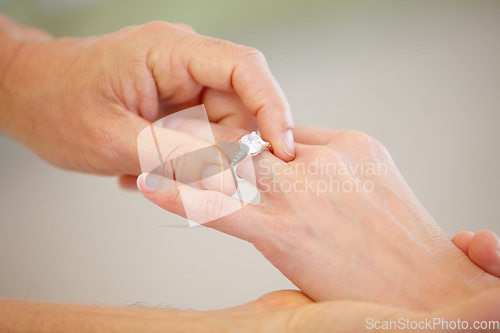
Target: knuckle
363, 143
354, 134
157, 26
214, 204
185, 27
251, 54
174, 160
325, 150
356, 137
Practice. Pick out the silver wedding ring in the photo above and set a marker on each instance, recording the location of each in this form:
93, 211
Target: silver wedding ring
250, 144
254, 143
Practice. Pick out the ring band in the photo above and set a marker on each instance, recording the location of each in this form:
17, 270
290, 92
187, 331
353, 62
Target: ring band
250, 144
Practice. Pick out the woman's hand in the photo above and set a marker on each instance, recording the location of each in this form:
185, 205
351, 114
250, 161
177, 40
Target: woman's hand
482, 247
80, 103
341, 223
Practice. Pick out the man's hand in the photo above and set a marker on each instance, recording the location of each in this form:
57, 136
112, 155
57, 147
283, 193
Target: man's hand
80, 103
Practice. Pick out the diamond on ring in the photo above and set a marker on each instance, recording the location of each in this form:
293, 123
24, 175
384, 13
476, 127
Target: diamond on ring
250, 144
254, 143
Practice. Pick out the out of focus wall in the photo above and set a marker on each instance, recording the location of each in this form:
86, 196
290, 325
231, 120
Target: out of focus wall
421, 76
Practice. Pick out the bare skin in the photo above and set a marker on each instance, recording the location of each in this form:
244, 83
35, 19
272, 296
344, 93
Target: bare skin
281, 311
88, 99
79, 103
483, 248
379, 245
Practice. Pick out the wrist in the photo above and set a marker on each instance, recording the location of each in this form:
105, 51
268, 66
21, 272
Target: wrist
30, 66
14, 38
13, 30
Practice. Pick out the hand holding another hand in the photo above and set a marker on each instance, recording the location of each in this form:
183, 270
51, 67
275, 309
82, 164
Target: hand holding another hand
80, 103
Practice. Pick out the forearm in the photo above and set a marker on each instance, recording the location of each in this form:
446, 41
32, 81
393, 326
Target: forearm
18, 316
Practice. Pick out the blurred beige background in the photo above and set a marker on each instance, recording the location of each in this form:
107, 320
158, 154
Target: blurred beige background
421, 76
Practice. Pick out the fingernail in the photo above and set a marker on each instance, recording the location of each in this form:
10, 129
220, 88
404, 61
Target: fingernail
212, 177
288, 144
148, 182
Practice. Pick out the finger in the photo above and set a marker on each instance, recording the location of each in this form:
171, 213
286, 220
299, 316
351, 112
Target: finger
462, 240
312, 135
185, 27
260, 93
210, 208
184, 157
222, 137
167, 107
226, 108
263, 164
226, 66
484, 251
128, 182
194, 121
258, 171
